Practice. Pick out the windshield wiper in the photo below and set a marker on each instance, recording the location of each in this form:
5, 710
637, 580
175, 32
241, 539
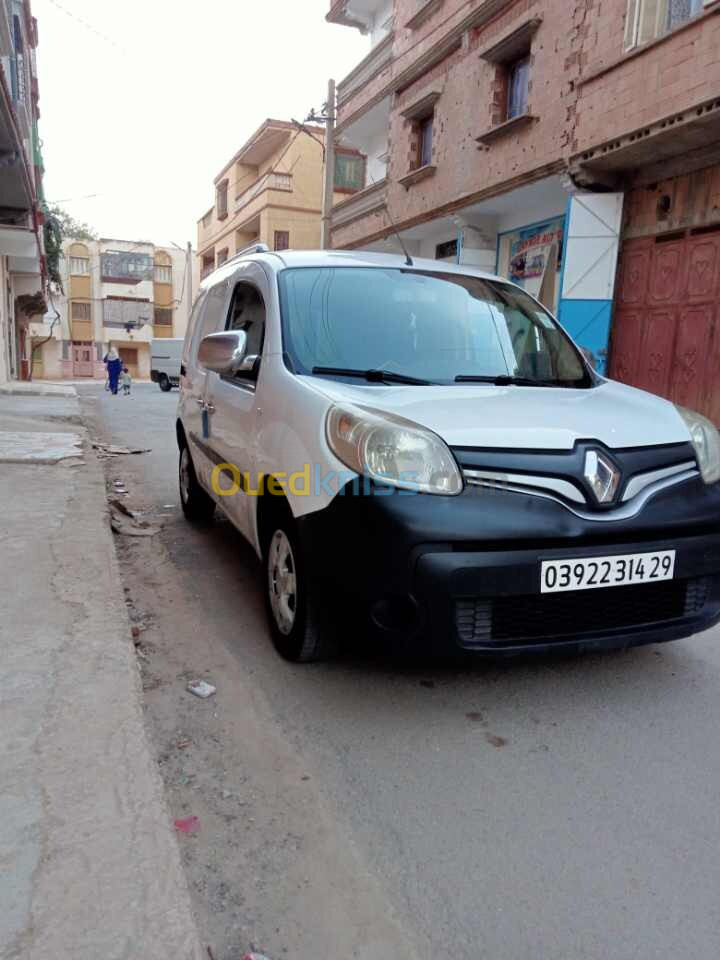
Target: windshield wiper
505, 380
372, 376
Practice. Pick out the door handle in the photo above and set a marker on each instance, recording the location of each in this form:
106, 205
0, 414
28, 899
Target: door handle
199, 401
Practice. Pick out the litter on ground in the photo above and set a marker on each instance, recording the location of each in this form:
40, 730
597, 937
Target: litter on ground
201, 689
111, 450
125, 521
190, 825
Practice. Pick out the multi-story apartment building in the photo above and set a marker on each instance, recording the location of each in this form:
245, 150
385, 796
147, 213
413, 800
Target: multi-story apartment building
560, 143
22, 258
269, 192
115, 291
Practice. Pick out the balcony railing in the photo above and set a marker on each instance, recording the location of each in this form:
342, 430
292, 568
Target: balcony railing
123, 313
270, 181
360, 204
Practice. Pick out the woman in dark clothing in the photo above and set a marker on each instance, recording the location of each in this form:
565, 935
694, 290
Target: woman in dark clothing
114, 366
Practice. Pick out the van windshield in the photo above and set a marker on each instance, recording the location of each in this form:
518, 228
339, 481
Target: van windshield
417, 326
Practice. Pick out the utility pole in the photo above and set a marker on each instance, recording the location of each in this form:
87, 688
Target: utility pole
329, 165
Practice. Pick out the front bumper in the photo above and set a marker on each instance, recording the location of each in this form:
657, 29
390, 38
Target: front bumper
464, 572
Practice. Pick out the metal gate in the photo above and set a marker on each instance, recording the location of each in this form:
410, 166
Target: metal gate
664, 335
82, 354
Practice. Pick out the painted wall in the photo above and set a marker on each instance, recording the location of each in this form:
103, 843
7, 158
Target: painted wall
302, 158
590, 266
57, 355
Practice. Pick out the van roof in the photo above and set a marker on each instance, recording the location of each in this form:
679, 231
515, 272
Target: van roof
339, 258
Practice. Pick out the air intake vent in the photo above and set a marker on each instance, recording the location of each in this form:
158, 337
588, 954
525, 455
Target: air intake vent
545, 618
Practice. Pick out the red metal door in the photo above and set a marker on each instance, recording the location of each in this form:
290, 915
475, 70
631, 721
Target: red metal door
82, 359
664, 335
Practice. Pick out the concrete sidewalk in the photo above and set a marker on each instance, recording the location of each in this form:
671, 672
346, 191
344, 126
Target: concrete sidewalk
34, 388
89, 865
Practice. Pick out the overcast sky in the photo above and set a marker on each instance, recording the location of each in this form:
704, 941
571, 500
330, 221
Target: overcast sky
144, 103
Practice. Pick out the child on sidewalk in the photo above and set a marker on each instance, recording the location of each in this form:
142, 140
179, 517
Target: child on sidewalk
126, 381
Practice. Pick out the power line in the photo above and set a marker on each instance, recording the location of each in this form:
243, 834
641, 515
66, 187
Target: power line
88, 26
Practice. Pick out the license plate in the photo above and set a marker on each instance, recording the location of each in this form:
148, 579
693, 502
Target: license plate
596, 572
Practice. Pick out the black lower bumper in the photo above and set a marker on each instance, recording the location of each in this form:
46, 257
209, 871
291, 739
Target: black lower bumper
464, 572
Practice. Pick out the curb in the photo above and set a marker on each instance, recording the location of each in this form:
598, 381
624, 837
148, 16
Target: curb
36, 390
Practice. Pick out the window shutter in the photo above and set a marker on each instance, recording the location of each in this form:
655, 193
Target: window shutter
349, 171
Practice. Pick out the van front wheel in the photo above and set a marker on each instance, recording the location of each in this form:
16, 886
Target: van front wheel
164, 383
294, 622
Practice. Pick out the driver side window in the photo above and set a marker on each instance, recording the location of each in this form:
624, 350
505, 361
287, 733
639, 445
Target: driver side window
247, 312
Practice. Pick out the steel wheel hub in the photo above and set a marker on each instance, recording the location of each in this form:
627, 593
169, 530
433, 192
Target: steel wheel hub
282, 582
185, 474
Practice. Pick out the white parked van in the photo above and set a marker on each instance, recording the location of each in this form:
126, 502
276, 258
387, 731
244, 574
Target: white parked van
165, 363
422, 445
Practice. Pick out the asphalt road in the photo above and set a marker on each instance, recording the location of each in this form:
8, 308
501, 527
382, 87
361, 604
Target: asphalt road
555, 809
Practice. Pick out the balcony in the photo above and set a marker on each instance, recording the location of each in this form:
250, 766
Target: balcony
369, 136
671, 145
121, 313
360, 204
270, 181
15, 186
368, 16
118, 266
379, 57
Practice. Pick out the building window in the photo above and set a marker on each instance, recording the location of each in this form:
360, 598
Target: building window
17, 72
349, 172
79, 266
282, 239
163, 317
221, 200
163, 273
447, 250
208, 264
222, 256
649, 19
79, 311
518, 80
425, 140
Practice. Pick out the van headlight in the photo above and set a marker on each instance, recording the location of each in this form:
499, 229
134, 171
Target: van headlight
393, 451
706, 441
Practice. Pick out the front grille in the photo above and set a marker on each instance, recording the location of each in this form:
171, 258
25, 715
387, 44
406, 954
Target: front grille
544, 618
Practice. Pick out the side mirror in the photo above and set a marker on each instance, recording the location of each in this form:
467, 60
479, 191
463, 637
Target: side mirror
223, 353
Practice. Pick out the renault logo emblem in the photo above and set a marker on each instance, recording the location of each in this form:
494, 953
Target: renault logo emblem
602, 475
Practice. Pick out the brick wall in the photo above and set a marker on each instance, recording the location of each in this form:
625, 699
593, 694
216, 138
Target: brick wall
667, 76
584, 90
467, 107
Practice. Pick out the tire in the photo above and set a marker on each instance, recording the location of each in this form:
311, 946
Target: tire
298, 633
197, 505
164, 383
